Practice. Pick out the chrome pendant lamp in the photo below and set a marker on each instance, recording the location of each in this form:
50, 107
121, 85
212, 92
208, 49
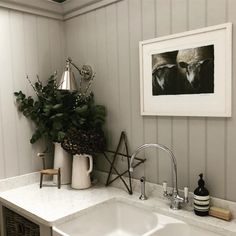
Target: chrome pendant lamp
68, 81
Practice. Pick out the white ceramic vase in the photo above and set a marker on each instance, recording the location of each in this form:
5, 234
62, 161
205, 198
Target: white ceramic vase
82, 167
63, 160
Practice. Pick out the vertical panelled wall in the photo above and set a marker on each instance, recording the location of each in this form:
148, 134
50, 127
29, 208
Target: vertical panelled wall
29, 45
107, 38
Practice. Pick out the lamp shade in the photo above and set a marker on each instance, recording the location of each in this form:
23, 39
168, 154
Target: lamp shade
68, 80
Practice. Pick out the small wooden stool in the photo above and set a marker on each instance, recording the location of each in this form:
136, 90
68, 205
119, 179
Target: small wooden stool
50, 172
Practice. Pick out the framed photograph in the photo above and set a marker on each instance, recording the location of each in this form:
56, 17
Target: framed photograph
187, 74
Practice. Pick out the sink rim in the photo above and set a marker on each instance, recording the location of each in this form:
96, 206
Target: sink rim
157, 210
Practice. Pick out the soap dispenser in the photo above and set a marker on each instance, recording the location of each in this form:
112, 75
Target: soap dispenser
201, 198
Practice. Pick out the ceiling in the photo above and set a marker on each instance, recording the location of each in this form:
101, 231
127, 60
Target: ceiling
59, 1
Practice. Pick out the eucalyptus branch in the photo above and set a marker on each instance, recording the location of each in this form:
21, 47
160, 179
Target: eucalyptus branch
80, 84
27, 77
55, 111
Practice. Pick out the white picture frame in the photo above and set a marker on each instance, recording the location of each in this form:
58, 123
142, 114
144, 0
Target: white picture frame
216, 103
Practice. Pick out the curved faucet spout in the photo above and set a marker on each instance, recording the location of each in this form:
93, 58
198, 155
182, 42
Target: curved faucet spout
171, 155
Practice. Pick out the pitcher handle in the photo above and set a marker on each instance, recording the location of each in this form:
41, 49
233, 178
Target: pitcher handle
90, 164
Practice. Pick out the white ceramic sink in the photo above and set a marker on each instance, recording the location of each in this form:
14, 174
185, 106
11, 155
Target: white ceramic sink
113, 218
118, 218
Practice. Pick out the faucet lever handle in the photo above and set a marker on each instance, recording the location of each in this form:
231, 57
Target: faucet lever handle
186, 192
164, 185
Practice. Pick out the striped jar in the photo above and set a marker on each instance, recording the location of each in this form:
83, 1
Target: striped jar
201, 198
201, 205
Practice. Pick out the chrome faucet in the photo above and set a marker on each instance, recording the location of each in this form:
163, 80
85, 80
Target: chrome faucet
174, 197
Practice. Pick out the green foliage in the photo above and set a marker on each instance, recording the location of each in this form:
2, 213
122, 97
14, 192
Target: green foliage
55, 111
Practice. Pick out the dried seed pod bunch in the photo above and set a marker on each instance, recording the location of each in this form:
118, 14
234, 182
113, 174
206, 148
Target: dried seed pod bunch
84, 141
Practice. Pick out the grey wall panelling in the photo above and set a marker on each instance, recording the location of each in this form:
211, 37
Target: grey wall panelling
30, 45
164, 124
200, 144
216, 128
149, 123
230, 158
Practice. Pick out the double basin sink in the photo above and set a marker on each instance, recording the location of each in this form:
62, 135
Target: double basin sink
120, 218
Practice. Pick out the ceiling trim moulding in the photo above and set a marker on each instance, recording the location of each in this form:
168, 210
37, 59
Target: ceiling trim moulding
74, 8
44, 8
59, 11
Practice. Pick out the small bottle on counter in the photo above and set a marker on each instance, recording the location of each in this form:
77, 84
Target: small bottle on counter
201, 198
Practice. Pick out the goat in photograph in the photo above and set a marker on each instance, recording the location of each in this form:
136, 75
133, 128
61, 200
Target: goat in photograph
196, 70
164, 72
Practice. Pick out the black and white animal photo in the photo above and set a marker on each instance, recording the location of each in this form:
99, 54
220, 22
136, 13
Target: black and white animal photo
164, 71
187, 71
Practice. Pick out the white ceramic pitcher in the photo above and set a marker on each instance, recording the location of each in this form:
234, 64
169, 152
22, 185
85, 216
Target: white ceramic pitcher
82, 167
63, 160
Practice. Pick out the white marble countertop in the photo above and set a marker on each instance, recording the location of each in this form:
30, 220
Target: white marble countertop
51, 206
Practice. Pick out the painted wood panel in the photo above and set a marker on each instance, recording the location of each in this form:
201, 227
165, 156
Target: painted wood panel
216, 146
164, 124
150, 122
230, 161
20, 42
7, 99
100, 83
102, 80
123, 65
179, 10
216, 11
78, 32
135, 35
43, 68
163, 17
56, 44
123, 48
44, 47
197, 126
197, 14
33, 60
62, 33
112, 83
181, 124
19, 80
70, 39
